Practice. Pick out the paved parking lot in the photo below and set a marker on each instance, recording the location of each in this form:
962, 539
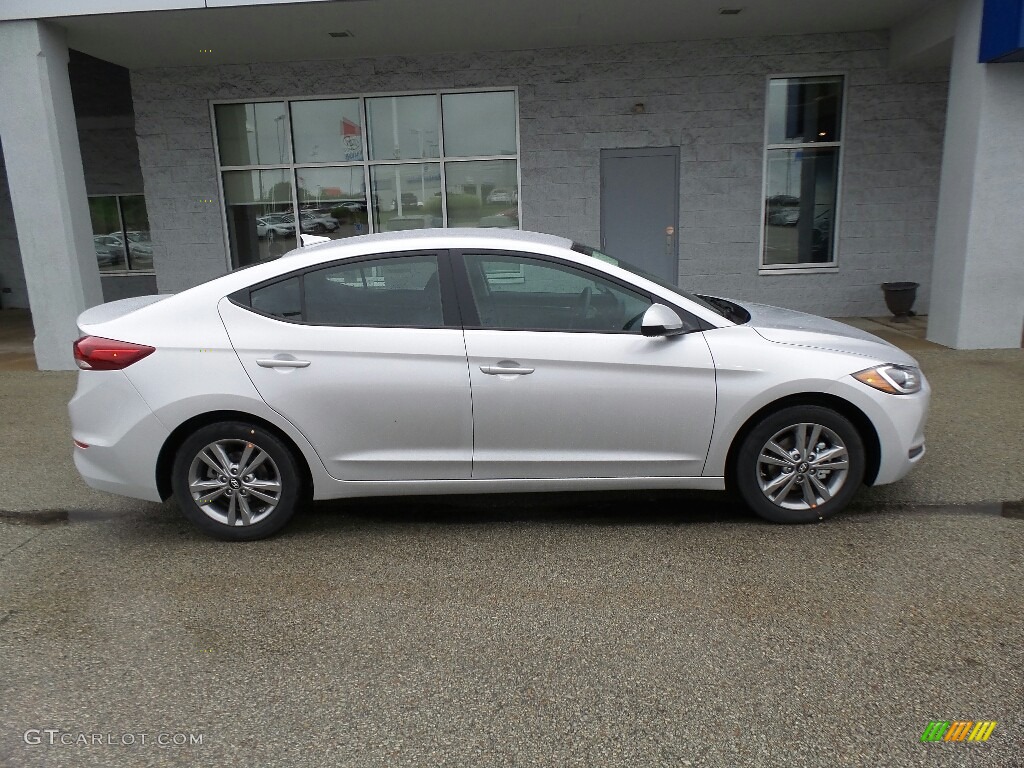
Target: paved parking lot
588, 632
660, 629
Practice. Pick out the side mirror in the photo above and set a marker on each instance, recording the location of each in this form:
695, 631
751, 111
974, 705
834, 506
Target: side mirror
659, 320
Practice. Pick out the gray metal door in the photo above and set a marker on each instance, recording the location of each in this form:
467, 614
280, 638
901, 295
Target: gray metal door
640, 208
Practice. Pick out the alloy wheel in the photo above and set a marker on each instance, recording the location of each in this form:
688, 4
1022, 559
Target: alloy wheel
802, 466
235, 482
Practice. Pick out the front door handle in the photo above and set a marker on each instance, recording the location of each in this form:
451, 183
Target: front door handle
506, 368
276, 362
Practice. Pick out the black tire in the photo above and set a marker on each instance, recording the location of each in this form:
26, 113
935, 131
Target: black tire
795, 484
235, 497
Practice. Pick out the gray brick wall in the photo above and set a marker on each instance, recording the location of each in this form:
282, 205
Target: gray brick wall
706, 97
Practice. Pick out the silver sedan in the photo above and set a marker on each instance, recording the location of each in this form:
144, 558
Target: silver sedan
469, 361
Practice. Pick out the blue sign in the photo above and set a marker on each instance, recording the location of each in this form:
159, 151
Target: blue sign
1002, 32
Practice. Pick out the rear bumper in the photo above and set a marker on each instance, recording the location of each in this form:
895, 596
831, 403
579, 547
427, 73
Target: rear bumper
122, 434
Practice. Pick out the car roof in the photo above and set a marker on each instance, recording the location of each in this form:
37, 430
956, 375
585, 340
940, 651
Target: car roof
449, 237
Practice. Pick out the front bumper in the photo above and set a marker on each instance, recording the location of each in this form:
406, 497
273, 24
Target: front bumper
899, 421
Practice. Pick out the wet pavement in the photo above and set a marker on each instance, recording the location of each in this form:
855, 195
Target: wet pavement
590, 630
630, 629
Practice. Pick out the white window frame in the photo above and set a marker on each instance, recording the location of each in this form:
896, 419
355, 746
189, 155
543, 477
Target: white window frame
292, 167
807, 268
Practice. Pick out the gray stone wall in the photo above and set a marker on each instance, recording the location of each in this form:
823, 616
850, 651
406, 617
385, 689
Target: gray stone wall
706, 97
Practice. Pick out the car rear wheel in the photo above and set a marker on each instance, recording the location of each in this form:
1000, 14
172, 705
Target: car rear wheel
800, 465
236, 481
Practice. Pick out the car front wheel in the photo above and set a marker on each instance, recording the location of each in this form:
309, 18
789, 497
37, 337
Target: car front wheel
799, 465
236, 481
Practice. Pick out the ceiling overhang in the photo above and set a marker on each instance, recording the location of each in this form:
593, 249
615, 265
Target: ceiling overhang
223, 32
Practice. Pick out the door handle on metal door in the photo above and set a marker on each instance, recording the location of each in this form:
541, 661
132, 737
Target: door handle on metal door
505, 370
275, 362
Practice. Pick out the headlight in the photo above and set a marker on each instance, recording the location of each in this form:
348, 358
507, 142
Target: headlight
894, 379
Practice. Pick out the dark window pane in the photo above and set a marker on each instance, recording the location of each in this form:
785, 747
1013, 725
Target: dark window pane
521, 293
800, 206
478, 124
280, 299
327, 131
252, 134
804, 110
136, 225
403, 291
107, 234
261, 224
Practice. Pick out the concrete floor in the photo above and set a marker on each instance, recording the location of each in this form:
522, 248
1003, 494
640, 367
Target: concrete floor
16, 352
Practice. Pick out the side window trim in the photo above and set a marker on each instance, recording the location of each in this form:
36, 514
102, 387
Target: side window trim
446, 282
471, 316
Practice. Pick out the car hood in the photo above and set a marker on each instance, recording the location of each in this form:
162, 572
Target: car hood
786, 326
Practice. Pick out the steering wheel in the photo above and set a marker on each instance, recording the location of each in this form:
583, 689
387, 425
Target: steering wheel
633, 321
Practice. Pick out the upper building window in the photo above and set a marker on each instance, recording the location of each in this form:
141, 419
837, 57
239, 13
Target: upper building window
804, 135
343, 167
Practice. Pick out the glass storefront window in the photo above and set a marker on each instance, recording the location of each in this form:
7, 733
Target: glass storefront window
407, 196
252, 134
403, 127
327, 131
482, 193
261, 222
332, 201
802, 171
477, 124
304, 165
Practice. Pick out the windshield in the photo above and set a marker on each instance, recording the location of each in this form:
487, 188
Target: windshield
586, 250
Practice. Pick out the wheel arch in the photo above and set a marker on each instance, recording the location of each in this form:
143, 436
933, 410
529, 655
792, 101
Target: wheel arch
165, 459
866, 430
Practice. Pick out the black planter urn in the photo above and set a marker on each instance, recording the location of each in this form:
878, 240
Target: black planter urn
899, 298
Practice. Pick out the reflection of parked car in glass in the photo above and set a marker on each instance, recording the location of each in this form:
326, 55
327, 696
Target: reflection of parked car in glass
109, 250
357, 206
409, 200
782, 210
140, 248
315, 221
502, 195
274, 225
784, 217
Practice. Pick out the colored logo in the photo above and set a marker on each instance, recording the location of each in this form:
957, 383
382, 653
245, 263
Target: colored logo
958, 730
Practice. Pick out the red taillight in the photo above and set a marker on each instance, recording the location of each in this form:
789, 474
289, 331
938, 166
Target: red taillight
93, 353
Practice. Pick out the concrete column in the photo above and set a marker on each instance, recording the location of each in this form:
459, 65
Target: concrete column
47, 185
977, 296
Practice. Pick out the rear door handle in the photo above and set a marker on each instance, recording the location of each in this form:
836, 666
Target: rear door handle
275, 362
506, 368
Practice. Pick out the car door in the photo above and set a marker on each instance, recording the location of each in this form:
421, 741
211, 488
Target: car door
563, 382
366, 358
